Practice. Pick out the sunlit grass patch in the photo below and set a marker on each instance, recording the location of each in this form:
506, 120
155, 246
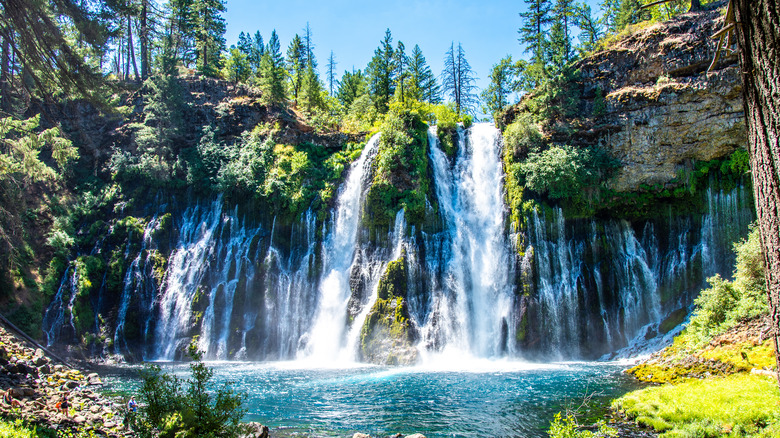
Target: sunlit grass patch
15, 429
739, 405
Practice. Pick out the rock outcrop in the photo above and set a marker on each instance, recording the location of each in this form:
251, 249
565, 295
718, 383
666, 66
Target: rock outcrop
387, 336
649, 101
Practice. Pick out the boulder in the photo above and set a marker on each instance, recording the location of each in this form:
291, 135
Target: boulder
361, 435
255, 430
415, 435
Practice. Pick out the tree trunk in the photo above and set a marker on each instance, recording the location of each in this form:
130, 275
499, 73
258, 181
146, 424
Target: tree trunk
5, 68
131, 46
695, 6
143, 36
758, 36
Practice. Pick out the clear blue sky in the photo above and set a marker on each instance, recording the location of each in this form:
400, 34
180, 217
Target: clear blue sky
353, 29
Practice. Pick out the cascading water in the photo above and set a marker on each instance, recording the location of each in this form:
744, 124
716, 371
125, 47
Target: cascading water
326, 338
289, 292
257, 288
471, 311
54, 317
639, 273
138, 281
211, 258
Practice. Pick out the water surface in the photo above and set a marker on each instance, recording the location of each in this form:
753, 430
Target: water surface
492, 399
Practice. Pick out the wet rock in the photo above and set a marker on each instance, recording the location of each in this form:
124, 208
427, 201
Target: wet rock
255, 430
415, 435
387, 337
361, 435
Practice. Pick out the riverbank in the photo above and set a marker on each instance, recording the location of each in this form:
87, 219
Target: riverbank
724, 388
37, 382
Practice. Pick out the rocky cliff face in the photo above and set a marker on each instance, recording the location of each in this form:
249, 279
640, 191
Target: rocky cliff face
648, 100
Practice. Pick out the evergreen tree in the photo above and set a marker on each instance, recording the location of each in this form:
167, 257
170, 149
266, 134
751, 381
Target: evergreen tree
610, 8
629, 13
36, 49
244, 43
272, 72
402, 70
351, 86
422, 83
257, 50
381, 73
252, 48
332, 81
458, 80
209, 34
296, 66
312, 89
591, 27
236, 66
532, 33
181, 30
502, 83
560, 33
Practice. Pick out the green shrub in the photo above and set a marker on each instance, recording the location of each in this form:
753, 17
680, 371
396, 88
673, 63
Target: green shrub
727, 303
521, 137
401, 178
565, 171
192, 408
567, 427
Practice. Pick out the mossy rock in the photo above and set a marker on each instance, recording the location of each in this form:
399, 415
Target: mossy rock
387, 336
676, 318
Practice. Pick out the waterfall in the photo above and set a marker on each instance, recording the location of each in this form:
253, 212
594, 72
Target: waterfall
255, 287
211, 259
471, 310
326, 337
54, 317
289, 291
138, 281
605, 285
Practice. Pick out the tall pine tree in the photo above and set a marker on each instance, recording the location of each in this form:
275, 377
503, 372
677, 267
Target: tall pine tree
272, 72
209, 34
422, 83
296, 66
533, 31
351, 86
332, 81
401, 71
590, 27
560, 52
381, 73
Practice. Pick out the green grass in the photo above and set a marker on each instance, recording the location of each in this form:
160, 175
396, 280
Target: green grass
740, 405
16, 429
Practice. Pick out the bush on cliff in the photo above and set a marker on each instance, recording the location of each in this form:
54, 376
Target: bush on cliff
172, 407
401, 176
565, 172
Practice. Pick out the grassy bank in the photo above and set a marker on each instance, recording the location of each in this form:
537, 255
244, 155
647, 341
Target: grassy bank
737, 405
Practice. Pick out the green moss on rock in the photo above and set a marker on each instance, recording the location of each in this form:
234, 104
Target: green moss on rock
387, 336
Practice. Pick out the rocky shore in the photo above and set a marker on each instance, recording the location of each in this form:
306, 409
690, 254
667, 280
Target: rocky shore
38, 382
